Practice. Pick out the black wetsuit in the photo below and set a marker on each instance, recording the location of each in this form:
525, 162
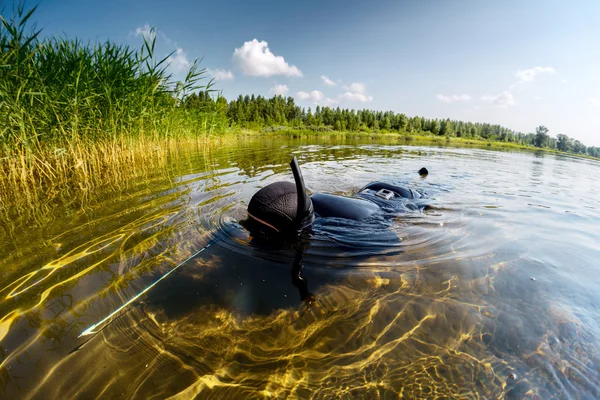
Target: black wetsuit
365, 203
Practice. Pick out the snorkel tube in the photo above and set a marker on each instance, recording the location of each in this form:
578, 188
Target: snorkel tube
304, 209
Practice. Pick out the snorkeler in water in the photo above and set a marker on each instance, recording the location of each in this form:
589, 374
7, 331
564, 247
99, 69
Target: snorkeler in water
282, 211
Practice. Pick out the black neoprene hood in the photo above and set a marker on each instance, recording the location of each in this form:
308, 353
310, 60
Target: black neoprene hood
282, 207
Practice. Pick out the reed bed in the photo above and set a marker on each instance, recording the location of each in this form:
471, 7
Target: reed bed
75, 116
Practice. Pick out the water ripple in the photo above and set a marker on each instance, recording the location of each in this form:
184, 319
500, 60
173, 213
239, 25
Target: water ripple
490, 293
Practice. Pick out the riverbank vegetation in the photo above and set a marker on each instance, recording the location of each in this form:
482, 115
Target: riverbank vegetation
280, 114
72, 114
75, 115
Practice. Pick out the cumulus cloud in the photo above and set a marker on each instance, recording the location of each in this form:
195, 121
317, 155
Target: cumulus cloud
315, 96
528, 75
327, 81
280, 90
146, 31
363, 98
356, 87
329, 101
179, 61
524, 76
594, 101
254, 58
453, 98
504, 99
356, 91
221, 74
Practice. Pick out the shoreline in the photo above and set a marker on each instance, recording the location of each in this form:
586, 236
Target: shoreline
408, 138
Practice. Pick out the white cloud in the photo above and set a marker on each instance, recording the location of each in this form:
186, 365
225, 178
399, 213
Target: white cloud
150, 33
315, 96
221, 74
166, 39
255, 59
504, 99
280, 89
329, 101
356, 91
327, 81
179, 61
453, 98
537, 97
356, 97
594, 101
146, 31
528, 75
356, 87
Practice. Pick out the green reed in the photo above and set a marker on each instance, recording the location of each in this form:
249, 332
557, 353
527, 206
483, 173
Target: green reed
73, 112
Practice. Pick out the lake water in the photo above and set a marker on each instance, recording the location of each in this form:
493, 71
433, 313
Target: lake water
491, 293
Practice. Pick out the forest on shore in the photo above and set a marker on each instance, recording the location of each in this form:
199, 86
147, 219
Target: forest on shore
280, 113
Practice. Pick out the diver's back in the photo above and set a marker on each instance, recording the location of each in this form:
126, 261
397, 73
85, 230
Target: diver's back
331, 206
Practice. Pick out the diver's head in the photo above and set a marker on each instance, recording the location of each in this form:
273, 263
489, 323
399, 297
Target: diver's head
281, 208
423, 172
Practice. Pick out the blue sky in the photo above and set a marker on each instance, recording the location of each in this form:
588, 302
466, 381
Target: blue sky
517, 63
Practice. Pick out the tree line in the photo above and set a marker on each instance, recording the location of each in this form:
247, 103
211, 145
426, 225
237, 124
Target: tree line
256, 112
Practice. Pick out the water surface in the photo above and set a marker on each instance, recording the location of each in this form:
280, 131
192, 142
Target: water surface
491, 293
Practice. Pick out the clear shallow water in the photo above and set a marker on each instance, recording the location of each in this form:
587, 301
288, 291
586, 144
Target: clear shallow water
493, 293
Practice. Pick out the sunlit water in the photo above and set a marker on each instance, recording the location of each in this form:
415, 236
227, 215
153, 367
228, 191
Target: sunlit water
491, 293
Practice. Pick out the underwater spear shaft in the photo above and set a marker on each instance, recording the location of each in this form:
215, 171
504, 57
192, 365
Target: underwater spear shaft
92, 329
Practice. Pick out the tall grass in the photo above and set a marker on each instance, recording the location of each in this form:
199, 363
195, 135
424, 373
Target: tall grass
75, 114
